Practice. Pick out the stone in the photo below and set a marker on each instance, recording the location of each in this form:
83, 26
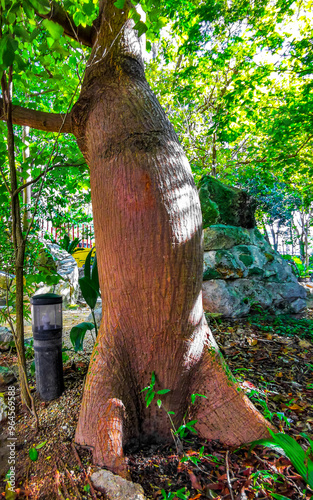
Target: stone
6, 376
116, 487
98, 316
308, 287
3, 410
219, 298
297, 306
5, 338
217, 237
242, 272
227, 205
66, 266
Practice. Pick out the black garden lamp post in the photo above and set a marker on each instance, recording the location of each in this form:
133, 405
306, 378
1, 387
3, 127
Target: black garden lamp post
47, 332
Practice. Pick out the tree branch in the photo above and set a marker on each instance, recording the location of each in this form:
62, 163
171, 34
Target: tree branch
58, 15
48, 122
293, 155
29, 183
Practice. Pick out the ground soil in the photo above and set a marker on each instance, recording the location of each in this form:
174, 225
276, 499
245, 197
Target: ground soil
272, 363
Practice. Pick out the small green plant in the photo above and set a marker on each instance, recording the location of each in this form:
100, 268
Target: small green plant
268, 414
90, 289
185, 428
182, 493
286, 445
68, 245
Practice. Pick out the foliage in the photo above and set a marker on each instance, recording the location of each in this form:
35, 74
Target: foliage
69, 245
186, 427
90, 289
287, 445
283, 325
301, 270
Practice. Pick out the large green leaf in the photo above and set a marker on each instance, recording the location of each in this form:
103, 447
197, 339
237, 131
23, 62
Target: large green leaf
89, 293
33, 454
296, 455
41, 6
8, 46
279, 497
119, 4
95, 275
55, 30
78, 333
88, 264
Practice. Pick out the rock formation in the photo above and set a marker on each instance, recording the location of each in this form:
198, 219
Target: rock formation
241, 271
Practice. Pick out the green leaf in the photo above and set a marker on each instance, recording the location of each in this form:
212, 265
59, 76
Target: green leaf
141, 27
296, 455
95, 275
279, 497
88, 264
8, 46
193, 397
40, 445
33, 454
159, 403
77, 334
55, 30
119, 4
41, 6
149, 398
163, 391
88, 291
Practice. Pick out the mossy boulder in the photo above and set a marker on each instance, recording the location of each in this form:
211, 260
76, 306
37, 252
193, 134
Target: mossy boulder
241, 271
227, 205
220, 236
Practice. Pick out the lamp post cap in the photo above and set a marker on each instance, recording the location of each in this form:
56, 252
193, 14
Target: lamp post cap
45, 299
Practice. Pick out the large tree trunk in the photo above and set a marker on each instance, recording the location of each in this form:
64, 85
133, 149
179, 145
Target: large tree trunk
148, 237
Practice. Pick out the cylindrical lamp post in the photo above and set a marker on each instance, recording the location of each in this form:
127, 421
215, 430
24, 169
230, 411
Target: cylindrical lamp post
47, 332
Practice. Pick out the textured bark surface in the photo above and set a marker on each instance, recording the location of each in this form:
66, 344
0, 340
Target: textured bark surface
148, 237
49, 122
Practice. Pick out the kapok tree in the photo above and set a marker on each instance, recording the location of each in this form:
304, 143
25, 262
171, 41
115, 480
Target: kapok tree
148, 231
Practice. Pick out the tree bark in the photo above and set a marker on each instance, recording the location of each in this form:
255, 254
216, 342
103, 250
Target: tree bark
48, 122
18, 241
148, 231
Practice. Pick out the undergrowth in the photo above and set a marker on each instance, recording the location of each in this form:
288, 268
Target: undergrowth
284, 324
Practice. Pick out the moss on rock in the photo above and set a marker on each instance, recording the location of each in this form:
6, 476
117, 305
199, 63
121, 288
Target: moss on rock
227, 205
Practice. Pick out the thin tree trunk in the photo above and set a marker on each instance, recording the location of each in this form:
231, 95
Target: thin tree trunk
148, 232
214, 155
27, 190
265, 232
18, 241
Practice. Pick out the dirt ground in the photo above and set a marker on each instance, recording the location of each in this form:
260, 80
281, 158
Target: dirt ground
272, 363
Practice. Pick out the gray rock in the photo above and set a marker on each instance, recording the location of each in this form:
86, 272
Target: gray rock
219, 236
98, 316
6, 376
66, 266
218, 297
297, 306
241, 272
115, 487
5, 338
3, 410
